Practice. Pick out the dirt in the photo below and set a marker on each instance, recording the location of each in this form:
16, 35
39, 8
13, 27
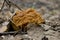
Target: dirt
50, 12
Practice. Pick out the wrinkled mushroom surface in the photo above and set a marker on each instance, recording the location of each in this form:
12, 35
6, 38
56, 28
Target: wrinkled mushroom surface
22, 18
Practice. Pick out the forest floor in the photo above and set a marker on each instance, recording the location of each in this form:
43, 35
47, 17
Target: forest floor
50, 10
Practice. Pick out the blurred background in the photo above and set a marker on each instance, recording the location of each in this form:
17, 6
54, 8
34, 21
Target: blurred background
50, 10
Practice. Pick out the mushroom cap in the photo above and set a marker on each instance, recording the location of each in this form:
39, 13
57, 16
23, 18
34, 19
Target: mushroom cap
27, 16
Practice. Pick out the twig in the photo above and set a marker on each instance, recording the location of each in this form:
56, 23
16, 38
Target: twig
19, 31
10, 3
2, 5
12, 33
15, 5
12, 21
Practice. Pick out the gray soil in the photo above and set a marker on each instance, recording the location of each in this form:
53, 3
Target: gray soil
50, 10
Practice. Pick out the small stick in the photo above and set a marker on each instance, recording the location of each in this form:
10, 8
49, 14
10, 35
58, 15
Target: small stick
7, 1
10, 3
3, 5
15, 5
19, 31
12, 33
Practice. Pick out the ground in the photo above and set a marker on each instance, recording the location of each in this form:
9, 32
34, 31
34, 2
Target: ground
50, 12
